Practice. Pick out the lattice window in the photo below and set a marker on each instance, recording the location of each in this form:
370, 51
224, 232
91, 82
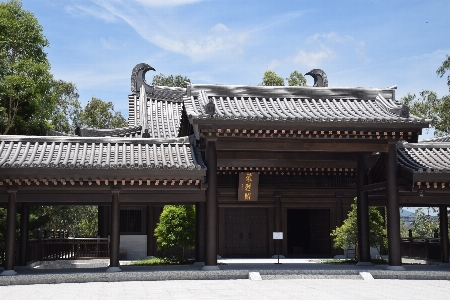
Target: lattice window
228, 180
268, 180
130, 221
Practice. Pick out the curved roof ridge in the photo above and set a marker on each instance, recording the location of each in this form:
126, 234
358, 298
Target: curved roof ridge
124, 131
441, 139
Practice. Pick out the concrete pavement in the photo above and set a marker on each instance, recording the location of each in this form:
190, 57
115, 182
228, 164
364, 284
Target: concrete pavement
231, 269
345, 289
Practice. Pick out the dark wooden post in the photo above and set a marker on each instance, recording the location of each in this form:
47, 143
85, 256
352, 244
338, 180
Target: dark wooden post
115, 232
339, 221
278, 224
211, 207
443, 223
24, 225
362, 213
103, 222
10, 233
393, 212
200, 232
149, 230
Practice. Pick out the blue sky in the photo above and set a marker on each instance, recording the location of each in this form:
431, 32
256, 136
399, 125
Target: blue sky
96, 43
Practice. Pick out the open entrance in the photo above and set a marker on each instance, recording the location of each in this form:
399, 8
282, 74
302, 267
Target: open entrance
308, 233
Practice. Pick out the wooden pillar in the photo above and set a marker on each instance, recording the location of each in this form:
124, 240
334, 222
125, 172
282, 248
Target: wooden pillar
339, 220
443, 223
393, 209
200, 232
211, 207
115, 232
149, 230
362, 211
24, 225
10, 233
103, 222
278, 225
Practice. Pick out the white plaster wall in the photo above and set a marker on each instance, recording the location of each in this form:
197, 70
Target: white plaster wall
350, 253
135, 245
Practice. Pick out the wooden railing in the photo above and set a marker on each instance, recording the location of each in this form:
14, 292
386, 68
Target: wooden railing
68, 248
421, 247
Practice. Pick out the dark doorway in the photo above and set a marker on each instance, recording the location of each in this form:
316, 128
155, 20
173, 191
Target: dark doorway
308, 232
246, 232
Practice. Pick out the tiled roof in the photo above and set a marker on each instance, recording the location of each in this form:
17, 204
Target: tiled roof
164, 110
445, 139
97, 153
424, 157
295, 105
132, 131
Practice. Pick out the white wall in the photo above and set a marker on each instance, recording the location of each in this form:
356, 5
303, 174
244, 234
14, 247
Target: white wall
135, 245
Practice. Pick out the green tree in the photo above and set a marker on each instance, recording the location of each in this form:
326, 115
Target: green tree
270, 78
101, 115
67, 112
78, 220
346, 235
430, 106
424, 225
171, 81
26, 98
443, 69
176, 228
296, 79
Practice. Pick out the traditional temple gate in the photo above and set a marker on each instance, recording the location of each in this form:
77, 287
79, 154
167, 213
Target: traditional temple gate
312, 148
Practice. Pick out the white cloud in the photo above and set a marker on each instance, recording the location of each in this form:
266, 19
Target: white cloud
313, 59
198, 44
322, 48
80, 10
160, 3
111, 43
219, 28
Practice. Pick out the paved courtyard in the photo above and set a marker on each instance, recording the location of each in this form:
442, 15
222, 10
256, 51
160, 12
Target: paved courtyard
236, 289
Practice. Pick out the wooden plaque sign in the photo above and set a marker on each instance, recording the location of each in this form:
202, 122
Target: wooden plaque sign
248, 186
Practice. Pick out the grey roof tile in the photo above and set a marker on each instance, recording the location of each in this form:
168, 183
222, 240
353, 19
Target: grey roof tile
131, 131
164, 110
437, 140
425, 157
238, 103
99, 153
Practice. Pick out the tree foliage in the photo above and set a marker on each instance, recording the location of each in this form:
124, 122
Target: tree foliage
296, 79
424, 225
78, 220
270, 78
67, 112
101, 115
176, 228
346, 235
26, 98
171, 81
428, 105
443, 69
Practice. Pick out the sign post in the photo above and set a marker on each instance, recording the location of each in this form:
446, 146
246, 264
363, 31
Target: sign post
278, 236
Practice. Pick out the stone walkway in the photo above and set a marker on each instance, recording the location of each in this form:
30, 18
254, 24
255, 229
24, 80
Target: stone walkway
344, 289
231, 269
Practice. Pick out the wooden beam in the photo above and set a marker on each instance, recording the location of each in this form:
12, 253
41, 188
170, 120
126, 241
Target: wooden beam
269, 163
304, 156
280, 145
99, 174
374, 187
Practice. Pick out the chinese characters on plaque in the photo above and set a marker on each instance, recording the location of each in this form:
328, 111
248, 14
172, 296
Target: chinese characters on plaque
248, 186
